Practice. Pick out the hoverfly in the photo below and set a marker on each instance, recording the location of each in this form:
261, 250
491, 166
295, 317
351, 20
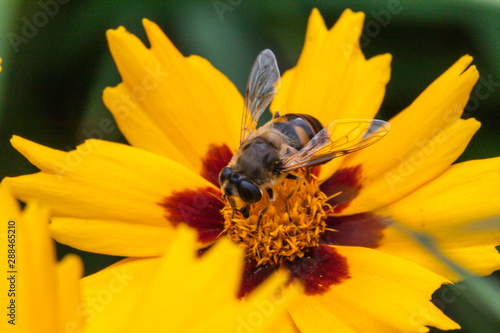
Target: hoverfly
268, 155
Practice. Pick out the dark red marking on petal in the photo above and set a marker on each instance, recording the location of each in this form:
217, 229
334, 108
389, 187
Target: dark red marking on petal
253, 276
348, 182
354, 230
320, 268
200, 209
315, 170
216, 158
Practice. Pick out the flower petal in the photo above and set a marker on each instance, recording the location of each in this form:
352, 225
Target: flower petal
423, 141
110, 295
170, 287
473, 251
32, 268
319, 269
130, 182
455, 209
199, 209
138, 127
284, 325
384, 294
9, 206
466, 192
332, 79
116, 238
203, 279
36, 257
253, 276
29, 263
354, 230
411, 168
186, 98
69, 273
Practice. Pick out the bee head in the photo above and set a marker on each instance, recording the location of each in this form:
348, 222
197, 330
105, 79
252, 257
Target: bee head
234, 185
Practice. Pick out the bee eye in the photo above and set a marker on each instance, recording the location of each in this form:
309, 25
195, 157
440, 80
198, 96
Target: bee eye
224, 175
249, 192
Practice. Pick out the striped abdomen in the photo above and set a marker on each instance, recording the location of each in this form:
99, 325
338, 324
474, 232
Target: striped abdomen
300, 128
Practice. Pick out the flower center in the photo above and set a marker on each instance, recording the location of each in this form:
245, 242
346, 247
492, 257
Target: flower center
292, 224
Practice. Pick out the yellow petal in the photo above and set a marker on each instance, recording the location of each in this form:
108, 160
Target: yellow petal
384, 294
475, 252
465, 192
284, 324
138, 127
9, 207
332, 79
69, 273
423, 141
185, 274
109, 237
124, 296
110, 295
44, 294
36, 258
188, 100
454, 208
102, 180
410, 168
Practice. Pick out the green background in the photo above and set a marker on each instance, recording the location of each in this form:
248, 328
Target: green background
51, 83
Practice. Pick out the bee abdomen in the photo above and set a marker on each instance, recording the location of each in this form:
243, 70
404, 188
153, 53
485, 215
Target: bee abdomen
300, 128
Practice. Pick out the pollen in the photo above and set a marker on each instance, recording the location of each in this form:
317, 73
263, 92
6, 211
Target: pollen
292, 224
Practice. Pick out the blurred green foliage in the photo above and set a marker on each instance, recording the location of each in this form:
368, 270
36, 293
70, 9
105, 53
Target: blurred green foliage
53, 75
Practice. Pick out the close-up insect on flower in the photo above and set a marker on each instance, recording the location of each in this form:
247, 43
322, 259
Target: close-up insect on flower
286, 144
348, 219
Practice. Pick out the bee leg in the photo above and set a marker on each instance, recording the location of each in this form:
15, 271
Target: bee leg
308, 174
298, 179
262, 212
245, 211
294, 190
270, 193
293, 177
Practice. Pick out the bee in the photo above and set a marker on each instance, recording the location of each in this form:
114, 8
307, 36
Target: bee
270, 154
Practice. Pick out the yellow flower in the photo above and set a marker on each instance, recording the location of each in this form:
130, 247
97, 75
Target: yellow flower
38, 292
42, 295
182, 118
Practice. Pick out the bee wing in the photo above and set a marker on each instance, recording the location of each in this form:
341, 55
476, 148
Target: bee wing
340, 138
262, 85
